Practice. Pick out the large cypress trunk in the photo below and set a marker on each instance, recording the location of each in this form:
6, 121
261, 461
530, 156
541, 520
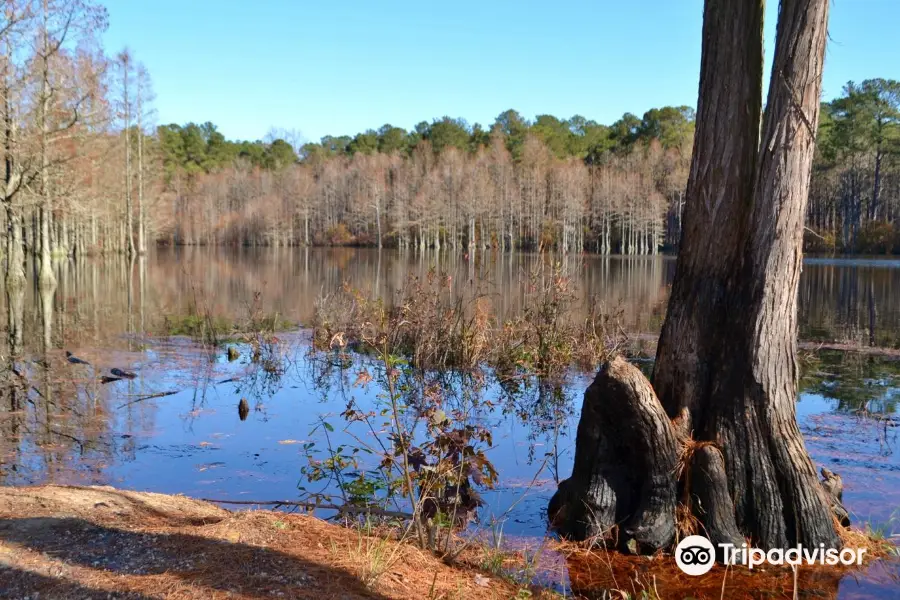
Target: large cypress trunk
726, 370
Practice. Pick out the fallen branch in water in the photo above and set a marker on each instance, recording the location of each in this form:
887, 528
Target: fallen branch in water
169, 393
148, 397
347, 509
810, 345
851, 347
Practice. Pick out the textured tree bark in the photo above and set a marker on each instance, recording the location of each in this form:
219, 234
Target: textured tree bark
740, 387
622, 486
708, 496
726, 365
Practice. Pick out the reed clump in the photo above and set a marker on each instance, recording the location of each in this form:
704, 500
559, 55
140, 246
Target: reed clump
438, 328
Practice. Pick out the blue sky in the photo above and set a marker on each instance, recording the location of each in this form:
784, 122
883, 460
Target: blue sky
342, 66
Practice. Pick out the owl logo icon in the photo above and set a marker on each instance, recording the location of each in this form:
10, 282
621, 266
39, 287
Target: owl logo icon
695, 555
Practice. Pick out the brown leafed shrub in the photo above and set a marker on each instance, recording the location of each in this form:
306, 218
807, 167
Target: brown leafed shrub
437, 329
337, 235
876, 237
819, 242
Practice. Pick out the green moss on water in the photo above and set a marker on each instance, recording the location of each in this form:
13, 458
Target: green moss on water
217, 330
197, 326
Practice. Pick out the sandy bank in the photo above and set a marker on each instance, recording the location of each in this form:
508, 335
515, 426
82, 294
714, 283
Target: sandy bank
99, 542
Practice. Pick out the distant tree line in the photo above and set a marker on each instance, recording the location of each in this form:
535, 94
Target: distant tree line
86, 170
855, 194
544, 184
548, 183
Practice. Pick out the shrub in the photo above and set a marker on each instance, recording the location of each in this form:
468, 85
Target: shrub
876, 237
819, 242
338, 235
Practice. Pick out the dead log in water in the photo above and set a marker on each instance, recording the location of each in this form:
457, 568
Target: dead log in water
834, 489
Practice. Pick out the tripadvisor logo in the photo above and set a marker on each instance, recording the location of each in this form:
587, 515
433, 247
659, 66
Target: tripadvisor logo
695, 555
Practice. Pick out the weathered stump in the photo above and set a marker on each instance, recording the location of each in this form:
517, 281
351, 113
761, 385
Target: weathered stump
623, 484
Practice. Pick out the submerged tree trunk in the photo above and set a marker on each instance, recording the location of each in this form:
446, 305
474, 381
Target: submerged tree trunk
726, 369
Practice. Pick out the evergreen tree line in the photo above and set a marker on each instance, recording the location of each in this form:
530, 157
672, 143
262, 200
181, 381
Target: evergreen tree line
568, 185
855, 193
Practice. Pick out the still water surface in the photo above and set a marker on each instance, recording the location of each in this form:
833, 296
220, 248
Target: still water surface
72, 429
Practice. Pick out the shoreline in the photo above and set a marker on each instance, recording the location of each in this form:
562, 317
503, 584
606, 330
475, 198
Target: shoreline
68, 542
99, 542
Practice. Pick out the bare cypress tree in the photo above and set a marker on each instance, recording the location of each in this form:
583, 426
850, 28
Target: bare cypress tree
125, 64
15, 18
45, 100
143, 95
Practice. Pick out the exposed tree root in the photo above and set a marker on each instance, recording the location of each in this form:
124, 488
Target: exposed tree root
639, 479
834, 487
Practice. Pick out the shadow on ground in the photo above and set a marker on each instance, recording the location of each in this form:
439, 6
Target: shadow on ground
16, 583
148, 562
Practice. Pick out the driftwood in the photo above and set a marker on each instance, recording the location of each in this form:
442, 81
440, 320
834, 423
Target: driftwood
149, 397
342, 509
834, 489
638, 476
122, 374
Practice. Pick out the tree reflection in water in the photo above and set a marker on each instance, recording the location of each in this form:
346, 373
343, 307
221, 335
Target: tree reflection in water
59, 422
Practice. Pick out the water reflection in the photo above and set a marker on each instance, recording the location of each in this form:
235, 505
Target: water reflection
851, 301
96, 302
173, 428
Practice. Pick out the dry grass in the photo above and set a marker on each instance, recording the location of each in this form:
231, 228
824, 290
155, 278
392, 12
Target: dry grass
875, 546
439, 329
370, 555
87, 542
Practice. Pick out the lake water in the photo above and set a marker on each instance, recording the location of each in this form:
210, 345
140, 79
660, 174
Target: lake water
69, 428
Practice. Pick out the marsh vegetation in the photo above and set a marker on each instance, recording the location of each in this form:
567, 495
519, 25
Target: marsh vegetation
461, 335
